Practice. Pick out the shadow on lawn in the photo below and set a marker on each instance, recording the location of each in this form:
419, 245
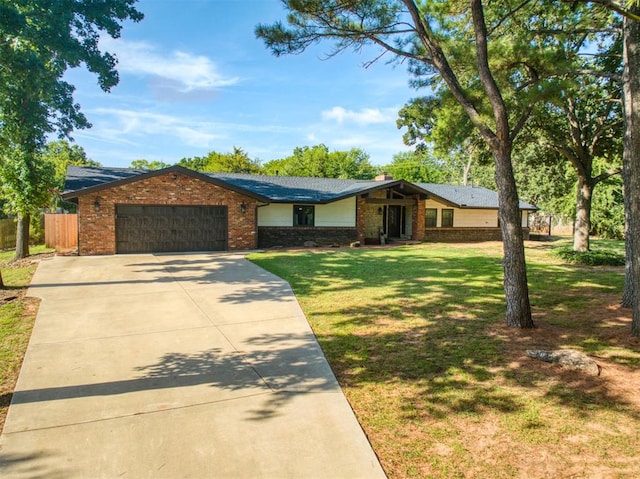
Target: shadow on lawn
429, 320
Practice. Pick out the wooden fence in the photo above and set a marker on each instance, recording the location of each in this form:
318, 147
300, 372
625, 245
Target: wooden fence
61, 231
7, 234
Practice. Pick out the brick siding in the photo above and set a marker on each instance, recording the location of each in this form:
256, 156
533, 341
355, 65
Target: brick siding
273, 236
97, 229
461, 235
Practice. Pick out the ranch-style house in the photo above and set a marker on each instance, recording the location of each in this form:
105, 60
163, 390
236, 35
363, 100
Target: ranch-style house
123, 210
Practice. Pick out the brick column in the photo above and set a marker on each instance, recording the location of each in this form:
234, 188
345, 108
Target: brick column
360, 218
418, 220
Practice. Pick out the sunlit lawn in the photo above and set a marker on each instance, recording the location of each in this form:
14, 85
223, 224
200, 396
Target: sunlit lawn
416, 338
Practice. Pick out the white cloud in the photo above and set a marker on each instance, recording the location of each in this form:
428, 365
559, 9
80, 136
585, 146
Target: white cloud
185, 71
131, 124
366, 116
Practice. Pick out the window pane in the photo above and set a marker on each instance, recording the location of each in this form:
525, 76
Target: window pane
447, 218
303, 215
432, 217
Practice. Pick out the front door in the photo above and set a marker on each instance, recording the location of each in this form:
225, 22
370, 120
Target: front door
394, 221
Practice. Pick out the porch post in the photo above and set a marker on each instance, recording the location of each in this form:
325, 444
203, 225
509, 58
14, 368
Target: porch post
360, 218
418, 220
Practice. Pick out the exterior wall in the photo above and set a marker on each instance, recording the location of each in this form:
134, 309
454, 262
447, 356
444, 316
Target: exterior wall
335, 224
466, 218
274, 236
475, 218
469, 224
373, 221
337, 214
463, 235
97, 230
418, 221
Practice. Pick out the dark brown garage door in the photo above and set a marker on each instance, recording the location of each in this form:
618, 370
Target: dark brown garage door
152, 229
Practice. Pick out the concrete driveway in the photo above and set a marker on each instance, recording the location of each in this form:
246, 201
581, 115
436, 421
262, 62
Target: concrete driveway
198, 365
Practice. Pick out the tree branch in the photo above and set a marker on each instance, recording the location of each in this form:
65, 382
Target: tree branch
486, 78
439, 61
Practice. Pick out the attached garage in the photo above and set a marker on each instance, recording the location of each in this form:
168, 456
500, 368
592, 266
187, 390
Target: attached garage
169, 210
165, 228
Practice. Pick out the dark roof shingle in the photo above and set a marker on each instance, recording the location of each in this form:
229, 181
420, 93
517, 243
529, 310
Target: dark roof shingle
468, 196
291, 189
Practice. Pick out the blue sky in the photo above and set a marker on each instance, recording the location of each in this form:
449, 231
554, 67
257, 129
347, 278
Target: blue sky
194, 79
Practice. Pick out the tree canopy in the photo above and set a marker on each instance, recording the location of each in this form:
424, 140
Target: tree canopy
479, 55
237, 161
318, 161
39, 41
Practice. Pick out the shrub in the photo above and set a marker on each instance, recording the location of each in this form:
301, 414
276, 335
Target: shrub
590, 258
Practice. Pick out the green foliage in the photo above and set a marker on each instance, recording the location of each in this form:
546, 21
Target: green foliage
39, 42
317, 161
62, 154
27, 182
418, 167
596, 257
149, 165
237, 161
36, 230
607, 210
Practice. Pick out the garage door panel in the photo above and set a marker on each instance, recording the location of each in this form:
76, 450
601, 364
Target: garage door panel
144, 229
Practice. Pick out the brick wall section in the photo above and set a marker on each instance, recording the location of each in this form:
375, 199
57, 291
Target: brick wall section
273, 236
461, 235
418, 221
97, 230
361, 218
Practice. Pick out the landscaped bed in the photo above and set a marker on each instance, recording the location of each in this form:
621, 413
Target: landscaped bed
442, 388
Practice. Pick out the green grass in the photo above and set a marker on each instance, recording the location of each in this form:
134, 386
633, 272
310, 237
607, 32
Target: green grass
416, 338
602, 253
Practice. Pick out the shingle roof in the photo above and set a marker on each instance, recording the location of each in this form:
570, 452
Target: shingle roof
468, 196
289, 189
277, 189
82, 177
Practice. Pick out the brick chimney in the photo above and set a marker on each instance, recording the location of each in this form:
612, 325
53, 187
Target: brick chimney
384, 176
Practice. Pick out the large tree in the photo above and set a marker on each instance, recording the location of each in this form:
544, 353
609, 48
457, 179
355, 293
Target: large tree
39, 41
317, 161
475, 52
631, 161
237, 161
630, 10
420, 167
583, 126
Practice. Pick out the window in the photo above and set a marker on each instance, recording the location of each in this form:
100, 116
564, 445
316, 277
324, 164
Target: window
447, 218
303, 215
432, 217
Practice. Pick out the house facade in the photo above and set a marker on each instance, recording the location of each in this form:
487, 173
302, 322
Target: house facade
176, 209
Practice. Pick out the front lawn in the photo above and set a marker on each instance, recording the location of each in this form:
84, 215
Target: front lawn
416, 337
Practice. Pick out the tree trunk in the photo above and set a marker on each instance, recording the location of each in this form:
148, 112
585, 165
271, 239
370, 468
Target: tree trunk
1, 281
515, 269
629, 290
631, 159
22, 237
583, 215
